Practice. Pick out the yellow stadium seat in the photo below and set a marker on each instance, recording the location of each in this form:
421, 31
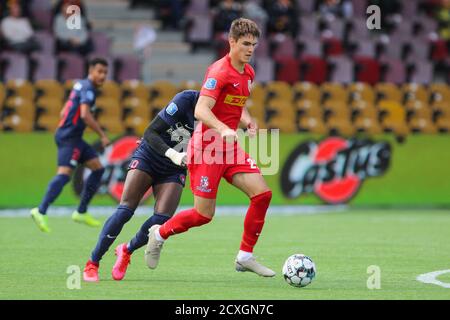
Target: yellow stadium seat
439, 92
258, 93
189, 85
20, 106
136, 107
48, 122
336, 109
49, 89
361, 91
415, 92
393, 117
136, 124
49, 106
257, 111
110, 89
306, 90
368, 125
162, 90
422, 124
112, 124
135, 88
283, 116
308, 108
20, 88
18, 123
108, 107
2, 95
341, 126
68, 86
312, 124
334, 92
279, 90
388, 91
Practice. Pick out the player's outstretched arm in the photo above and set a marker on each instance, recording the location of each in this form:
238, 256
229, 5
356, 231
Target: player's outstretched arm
90, 121
204, 114
153, 138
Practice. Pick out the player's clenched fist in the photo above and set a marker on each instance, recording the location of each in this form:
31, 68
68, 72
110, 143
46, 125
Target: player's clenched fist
252, 128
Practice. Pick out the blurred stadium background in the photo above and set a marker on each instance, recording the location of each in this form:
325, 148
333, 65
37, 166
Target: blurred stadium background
321, 74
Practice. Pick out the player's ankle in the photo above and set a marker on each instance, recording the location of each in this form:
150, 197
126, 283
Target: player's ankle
244, 255
158, 236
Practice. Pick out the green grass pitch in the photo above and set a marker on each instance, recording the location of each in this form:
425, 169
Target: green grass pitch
199, 263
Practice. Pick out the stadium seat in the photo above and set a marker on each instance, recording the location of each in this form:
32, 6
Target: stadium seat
135, 88
256, 104
334, 91
108, 107
367, 70
392, 70
279, 90
47, 88
414, 92
17, 123
46, 40
281, 115
336, 109
20, 88
284, 47
102, 43
126, 67
70, 66
306, 90
365, 117
287, 69
309, 25
439, 92
110, 89
162, 89
44, 66
111, 124
133, 107
2, 94
47, 122
308, 108
388, 91
265, 69
420, 117
332, 46
393, 117
309, 46
136, 124
341, 69
313, 69
420, 71
312, 124
48, 105
15, 66
361, 91
340, 126
68, 86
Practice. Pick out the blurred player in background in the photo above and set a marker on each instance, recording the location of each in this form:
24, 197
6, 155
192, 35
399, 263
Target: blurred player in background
158, 162
221, 107
73, 150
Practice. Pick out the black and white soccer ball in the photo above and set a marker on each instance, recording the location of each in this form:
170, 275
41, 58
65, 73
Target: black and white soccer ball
299, 270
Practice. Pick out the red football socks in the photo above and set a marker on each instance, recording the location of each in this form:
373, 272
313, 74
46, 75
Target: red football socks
254, 220
182, 222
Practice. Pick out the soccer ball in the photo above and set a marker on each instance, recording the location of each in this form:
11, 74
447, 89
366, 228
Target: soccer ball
299, 270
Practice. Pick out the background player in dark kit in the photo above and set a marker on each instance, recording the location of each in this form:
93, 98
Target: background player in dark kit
158, 162
73, 150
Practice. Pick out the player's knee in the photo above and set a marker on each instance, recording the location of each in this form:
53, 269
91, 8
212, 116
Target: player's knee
201, 218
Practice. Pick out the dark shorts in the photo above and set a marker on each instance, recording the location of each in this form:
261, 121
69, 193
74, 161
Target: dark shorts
74, 152
157, 167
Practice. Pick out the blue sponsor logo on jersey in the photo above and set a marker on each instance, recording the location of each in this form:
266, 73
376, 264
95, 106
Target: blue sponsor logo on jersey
210, 84
90, 95
172, 108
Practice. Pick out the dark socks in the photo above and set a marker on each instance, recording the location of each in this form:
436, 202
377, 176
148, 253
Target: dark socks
54, 189
90, 188
110, 231
141, 237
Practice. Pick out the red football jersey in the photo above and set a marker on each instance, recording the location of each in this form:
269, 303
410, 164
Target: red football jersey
230, 89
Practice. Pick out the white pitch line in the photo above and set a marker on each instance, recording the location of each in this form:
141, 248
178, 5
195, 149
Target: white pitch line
430, 278
275, 210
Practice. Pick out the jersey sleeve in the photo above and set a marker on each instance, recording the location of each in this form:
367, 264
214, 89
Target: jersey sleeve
175, 110
213, 84
87, 95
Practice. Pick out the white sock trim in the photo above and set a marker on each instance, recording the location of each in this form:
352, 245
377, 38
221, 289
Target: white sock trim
158, 236
244, 255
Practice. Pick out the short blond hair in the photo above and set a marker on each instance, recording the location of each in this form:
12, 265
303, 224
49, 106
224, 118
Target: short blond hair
241, 27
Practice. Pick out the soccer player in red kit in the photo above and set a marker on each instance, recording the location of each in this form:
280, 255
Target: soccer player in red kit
214, 152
